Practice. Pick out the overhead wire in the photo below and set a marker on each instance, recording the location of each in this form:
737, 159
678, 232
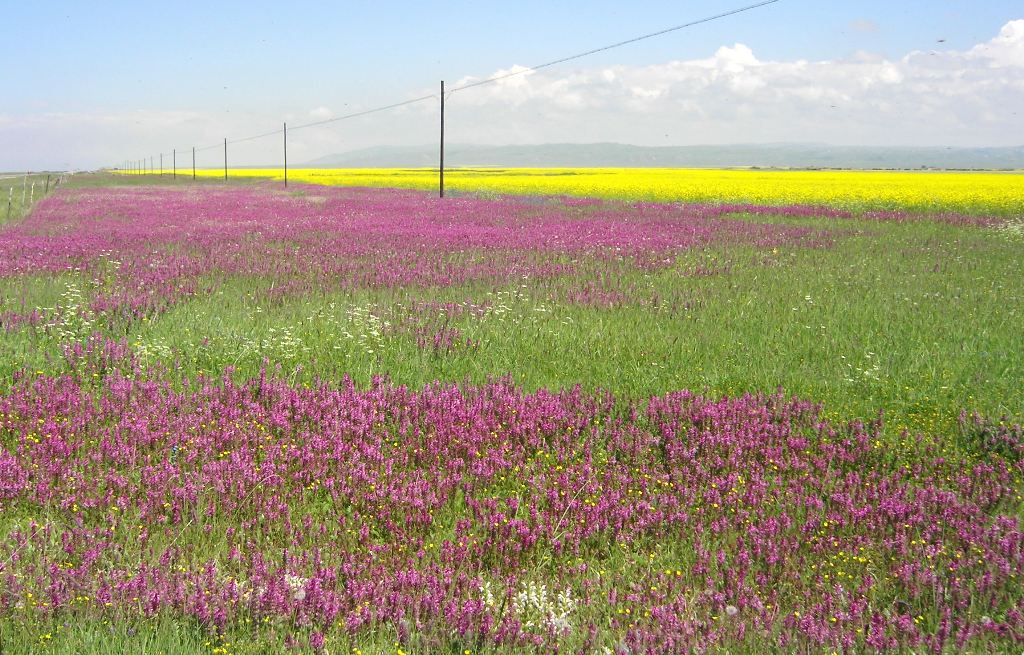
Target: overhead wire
497, 78
651, 35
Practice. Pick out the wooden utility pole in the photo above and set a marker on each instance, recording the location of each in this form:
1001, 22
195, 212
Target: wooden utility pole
440, 168
174, 164
225, 159
286, 155
193, 163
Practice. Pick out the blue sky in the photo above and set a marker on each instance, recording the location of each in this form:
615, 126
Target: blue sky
89, 84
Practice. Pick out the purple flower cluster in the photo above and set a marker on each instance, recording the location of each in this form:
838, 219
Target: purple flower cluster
143, 248
490, 515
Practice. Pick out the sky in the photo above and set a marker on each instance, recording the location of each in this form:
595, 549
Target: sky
87, 85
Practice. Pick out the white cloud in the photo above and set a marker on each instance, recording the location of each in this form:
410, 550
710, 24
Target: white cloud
1007, 49
924, 98
321, 113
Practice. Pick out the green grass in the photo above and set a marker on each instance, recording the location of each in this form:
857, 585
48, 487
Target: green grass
919, 320
17, 195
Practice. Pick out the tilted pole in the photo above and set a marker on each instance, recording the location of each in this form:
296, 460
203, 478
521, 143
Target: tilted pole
440, 168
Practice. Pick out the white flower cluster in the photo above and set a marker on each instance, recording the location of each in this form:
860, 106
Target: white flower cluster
281, 344
1013, 229
869, 370
487, 595
73, 320
536, 608
150, 351
367, 328
516, 307
297, 586
360, 325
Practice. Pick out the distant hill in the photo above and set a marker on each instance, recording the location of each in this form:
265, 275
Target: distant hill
783, 155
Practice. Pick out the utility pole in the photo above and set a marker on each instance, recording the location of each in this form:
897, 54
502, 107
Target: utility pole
286, 155
193, 163
440, 168
225, 159
161, 164
174, 164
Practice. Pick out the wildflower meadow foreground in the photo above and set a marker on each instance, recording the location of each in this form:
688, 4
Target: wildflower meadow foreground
235, 419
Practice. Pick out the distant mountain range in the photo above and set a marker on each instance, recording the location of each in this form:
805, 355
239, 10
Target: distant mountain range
773, 155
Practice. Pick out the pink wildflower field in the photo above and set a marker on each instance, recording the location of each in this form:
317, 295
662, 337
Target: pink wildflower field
319, 512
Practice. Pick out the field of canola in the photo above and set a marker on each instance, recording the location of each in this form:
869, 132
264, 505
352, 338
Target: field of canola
1001, 193
237, 419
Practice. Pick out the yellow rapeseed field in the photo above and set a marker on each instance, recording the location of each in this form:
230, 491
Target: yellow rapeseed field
994, 192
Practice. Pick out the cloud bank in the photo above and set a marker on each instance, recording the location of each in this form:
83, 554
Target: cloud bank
923, 98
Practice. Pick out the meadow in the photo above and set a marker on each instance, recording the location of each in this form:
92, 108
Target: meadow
686, 412
18, 191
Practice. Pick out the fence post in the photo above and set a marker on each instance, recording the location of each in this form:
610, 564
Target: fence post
47, 184
286, 155
10, 198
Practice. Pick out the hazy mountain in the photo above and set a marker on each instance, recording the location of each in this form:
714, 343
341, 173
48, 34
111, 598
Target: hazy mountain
781, 155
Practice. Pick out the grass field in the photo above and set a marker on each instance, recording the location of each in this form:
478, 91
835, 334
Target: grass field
19, 191
239, 419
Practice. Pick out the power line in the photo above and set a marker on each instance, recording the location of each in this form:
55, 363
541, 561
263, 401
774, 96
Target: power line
497, 78
322, 122
364, 113
523, 71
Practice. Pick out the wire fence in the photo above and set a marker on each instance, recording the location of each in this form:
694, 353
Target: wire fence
26, 190
149, 165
